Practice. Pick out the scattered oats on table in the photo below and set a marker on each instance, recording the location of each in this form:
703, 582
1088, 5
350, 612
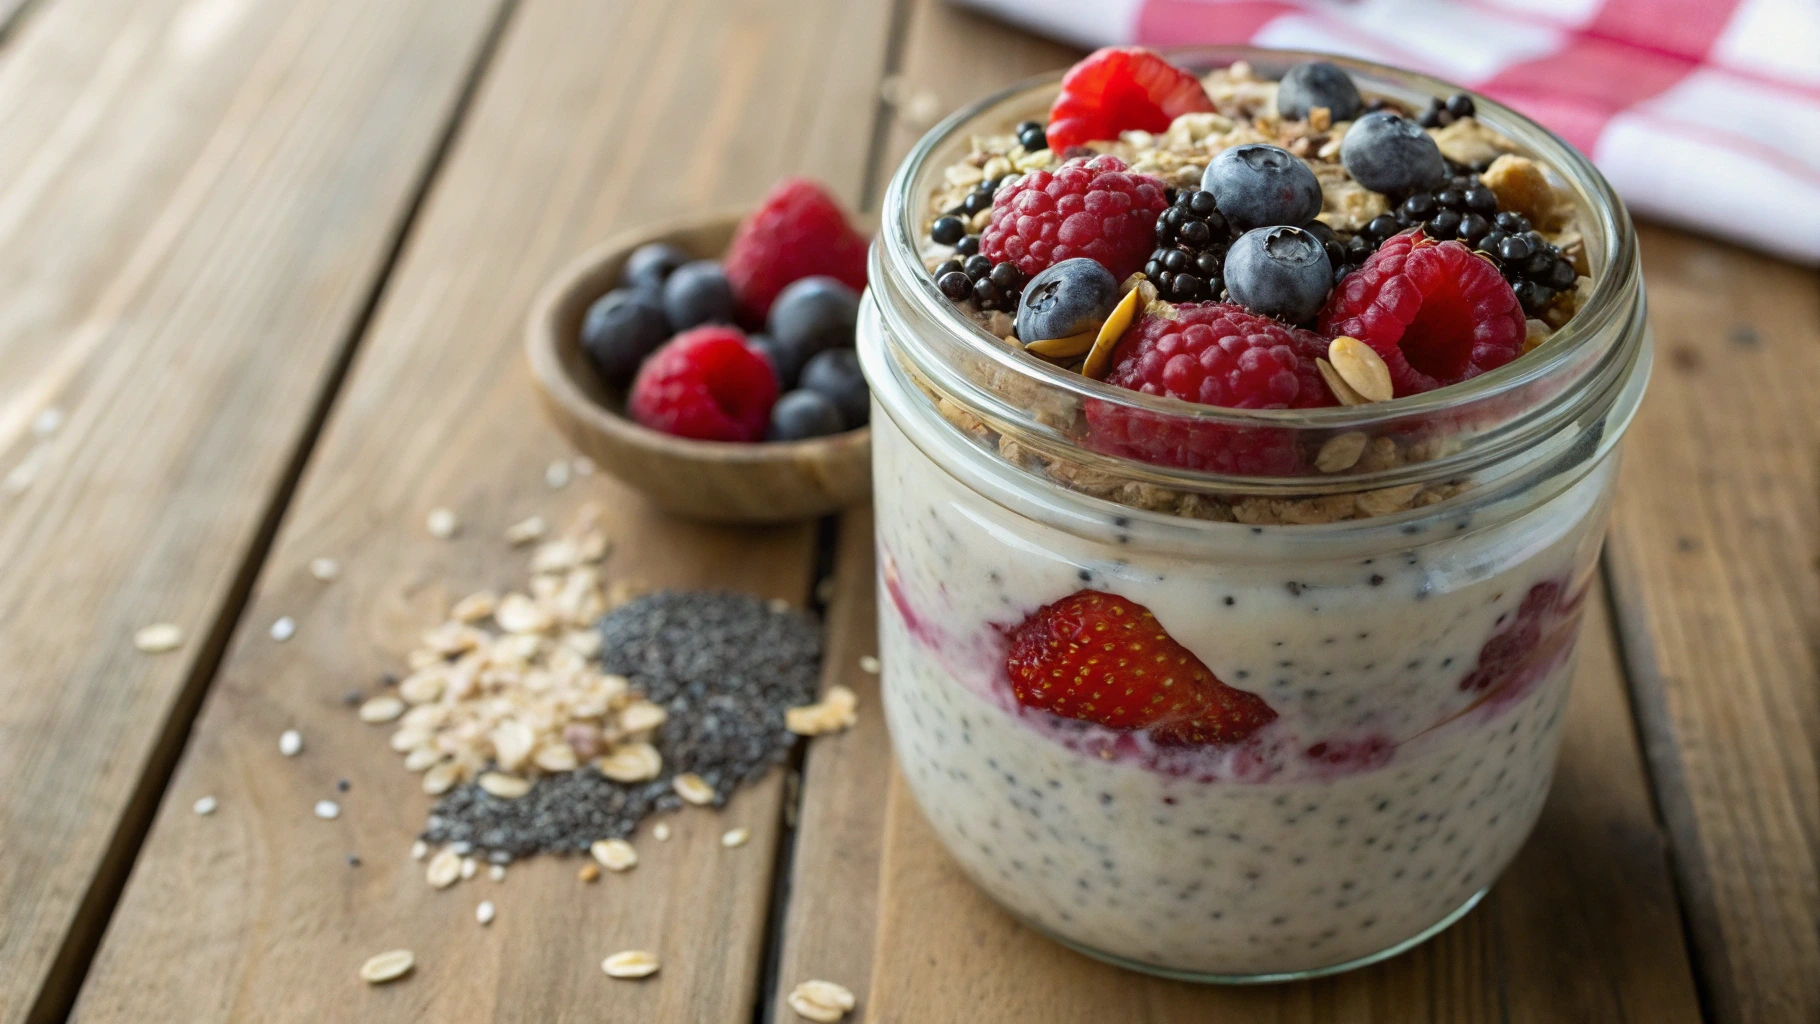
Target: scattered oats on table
442, 523
444, 869
485, 912
290, 743
205, 806
284, 628
822, 1001
631, 964
614, 854
159, 638
735, 837
388, 966
325, 569
327, 810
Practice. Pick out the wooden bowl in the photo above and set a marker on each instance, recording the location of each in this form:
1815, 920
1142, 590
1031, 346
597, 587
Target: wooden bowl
715, 481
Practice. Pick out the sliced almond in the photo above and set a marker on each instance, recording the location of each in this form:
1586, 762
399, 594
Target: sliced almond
633, 963
1361, 368
631, 762
1337, 384
614, 854
444, 869
1100, 357
388, 966
1071, 347
504, 786
693, 789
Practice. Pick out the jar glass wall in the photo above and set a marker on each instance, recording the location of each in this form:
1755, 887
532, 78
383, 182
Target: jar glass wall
1408, 619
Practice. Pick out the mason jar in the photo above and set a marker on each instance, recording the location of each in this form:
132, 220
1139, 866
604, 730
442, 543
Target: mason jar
1405, 598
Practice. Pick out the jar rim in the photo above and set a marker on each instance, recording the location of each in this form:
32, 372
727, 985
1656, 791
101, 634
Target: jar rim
1606, 330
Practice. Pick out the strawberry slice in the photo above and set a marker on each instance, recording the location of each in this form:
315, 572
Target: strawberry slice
1099, 657
1121, 88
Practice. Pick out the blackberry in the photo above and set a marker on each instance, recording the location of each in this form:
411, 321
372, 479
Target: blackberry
1191, 239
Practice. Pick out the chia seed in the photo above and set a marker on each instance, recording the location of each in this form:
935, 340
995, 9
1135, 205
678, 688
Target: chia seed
724, 666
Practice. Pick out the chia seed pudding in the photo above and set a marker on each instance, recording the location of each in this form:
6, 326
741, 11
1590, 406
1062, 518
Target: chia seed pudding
1405, 662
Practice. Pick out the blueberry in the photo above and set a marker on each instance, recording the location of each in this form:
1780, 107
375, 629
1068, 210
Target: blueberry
1391, 154
1279, 271
947, 230
976, 201
944, 268
1256, 185
977, 267
650, 264
967, 246
835, 375
786, 362
1030, 135
620, 329
813, 314
1066, 299
698, 293
801, 414
1317, 83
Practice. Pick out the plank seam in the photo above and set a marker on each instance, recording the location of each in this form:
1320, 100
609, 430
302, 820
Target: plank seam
75, 955
1670, 799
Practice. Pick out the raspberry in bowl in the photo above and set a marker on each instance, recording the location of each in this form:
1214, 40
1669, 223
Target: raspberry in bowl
709, 363
1230, 589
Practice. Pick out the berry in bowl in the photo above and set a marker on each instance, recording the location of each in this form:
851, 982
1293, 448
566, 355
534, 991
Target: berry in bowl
1246, 427
709, 363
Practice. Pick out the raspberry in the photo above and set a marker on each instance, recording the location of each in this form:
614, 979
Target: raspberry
707, 384
1118, 89
1212, 353
1089, 207
798, 231
1436, 313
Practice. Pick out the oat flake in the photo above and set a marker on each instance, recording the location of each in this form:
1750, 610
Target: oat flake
822, 1001
159, 638
325, 569
614, 854
633, 963
388, 966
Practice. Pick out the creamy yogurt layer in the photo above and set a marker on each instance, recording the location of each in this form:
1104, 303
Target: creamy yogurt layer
1397, 780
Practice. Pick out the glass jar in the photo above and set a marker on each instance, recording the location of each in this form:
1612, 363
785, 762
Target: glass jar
1405, 598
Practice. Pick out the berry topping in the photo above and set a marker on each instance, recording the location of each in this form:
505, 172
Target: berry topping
1317, 83
1119, 89
1282, 272
802, 414
798, 231
1211, 354
1435, 312
814, 314
1031, 136
1099, 657
707, 384
1258, 185
698, 293
1070, 298
835, 375
1388, 153
650, 264
786, 362
1190, 258
621, 328
1087, 207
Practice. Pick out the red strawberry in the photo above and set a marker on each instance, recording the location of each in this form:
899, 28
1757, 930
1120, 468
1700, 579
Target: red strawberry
1117, 89
798, 231
1099, 657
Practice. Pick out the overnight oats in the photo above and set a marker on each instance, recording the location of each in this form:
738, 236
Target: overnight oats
1245, 432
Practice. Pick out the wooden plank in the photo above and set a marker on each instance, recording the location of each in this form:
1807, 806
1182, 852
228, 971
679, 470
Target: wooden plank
1583, 926
196, 202
595, 116
832, 913
1714, 552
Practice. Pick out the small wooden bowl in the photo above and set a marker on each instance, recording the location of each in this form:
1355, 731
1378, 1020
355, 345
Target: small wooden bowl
715, 481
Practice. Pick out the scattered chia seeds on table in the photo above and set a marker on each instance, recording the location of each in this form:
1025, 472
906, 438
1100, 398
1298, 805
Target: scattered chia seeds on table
724, 666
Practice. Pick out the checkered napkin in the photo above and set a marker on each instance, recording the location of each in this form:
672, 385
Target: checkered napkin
1704, 113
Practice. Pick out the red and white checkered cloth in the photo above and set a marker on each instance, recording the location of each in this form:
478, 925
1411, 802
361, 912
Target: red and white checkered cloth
1705, 113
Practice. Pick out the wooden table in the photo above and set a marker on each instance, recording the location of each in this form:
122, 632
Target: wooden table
269, 259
